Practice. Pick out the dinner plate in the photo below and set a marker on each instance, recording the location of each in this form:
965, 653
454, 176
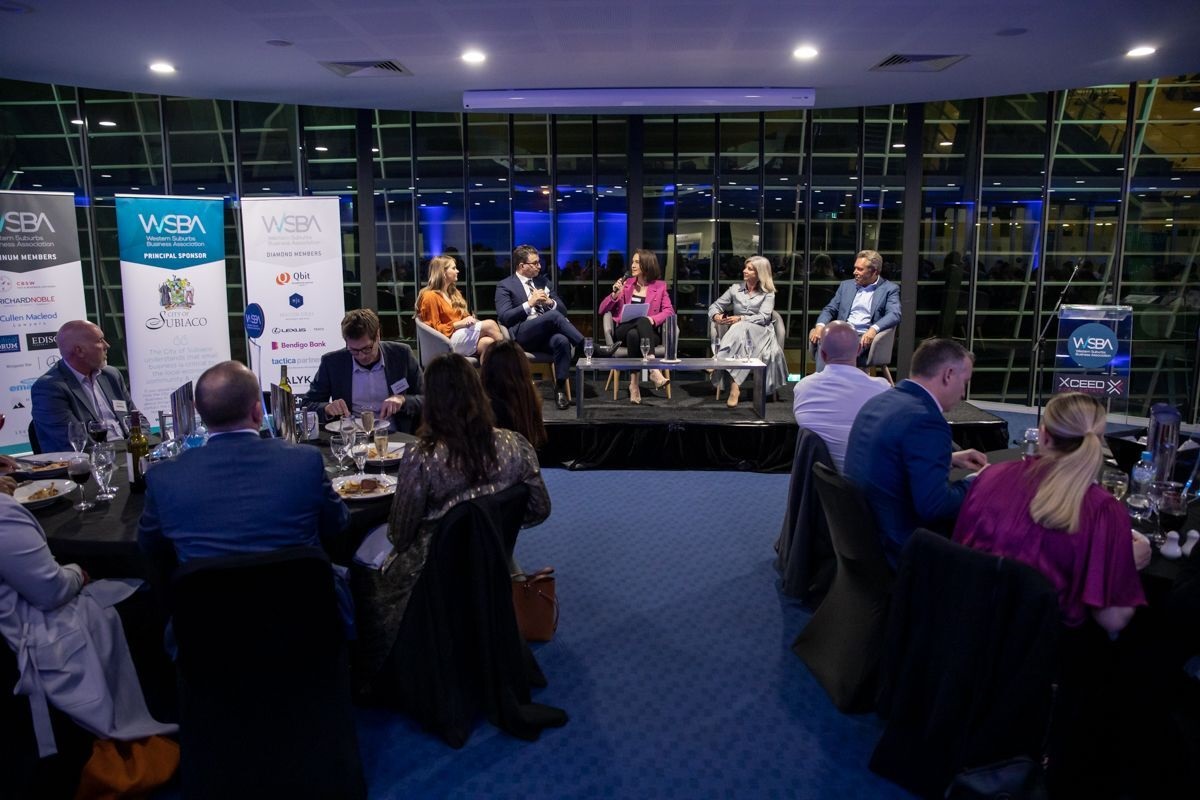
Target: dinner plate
395, 450
387, 486
26, 472
336, 426
25, 491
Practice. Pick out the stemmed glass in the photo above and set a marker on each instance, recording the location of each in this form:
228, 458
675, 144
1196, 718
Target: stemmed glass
589, 347
1166, 498
338, 446
358, 451
104, 460
97, 431
77, 435
79, 469
646, 349
380, 438
1115, 482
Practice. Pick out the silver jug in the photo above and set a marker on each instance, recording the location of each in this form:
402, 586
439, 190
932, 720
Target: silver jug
1163, 439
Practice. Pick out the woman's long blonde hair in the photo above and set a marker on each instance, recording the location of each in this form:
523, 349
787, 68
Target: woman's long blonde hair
762, 268
1075, 423
438, 282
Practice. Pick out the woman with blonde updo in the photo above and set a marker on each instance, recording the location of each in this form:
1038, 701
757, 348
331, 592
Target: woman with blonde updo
441, 305
1049, 513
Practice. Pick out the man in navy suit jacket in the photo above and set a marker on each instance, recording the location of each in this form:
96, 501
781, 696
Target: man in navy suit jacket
900, 451
537, 317
80, 387
869, 302
239, 493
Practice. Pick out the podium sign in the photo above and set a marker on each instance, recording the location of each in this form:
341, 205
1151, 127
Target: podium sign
1093, 353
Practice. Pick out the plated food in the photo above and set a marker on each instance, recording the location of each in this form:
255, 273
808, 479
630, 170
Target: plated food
336, 426
36, 494
355, 487
394, 451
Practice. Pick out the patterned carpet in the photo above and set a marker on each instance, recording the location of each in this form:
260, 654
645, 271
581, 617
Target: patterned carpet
672, 659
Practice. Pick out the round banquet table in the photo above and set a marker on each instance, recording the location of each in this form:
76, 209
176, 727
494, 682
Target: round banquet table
103, 539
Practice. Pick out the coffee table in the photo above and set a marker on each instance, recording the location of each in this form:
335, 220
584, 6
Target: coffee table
687, 364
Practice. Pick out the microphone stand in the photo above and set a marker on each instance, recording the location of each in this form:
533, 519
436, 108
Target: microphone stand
1040, 344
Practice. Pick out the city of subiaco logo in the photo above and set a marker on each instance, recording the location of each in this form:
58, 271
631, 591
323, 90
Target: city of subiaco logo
24, 222
171, 223
290, 223
41, 341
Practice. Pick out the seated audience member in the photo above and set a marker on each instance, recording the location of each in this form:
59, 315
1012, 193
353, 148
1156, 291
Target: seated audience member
900, 450
827, 402
367, 375
537, 317
441, 306
81, 387
1050, 513
461, 455
239, 493
747, 308
869, 302
508, 384
69, 641
644, 291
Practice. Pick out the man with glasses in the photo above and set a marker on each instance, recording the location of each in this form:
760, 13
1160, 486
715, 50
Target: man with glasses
537, 317
367, 375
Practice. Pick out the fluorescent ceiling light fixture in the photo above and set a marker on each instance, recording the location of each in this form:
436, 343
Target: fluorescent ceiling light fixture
1140, 51
474, 56
320, 149
805, 52
898, 145
945, 144
596, 100
76, 122
107, 123
162, 67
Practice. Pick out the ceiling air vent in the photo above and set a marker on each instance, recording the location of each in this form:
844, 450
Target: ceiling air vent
916, 63
367, 69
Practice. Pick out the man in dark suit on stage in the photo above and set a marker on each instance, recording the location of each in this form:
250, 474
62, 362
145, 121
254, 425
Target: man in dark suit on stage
80, 387
900, 451
869, 302
367, 375
239, 493
537, 317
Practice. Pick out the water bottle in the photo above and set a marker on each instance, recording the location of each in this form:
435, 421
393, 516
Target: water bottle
1140, 478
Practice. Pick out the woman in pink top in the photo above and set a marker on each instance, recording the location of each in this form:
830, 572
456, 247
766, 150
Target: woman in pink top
644, 289
1050, 513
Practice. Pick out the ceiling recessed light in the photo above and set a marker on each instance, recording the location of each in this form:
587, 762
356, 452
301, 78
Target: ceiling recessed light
474, 57
374, 149
511, 98
753, 95
36, 185
805, 52
1197, 108
162, 67
266, 188
1140, 51
76, 122
105, 175
134, 189
18, 172
945, 144
320, 149
107, 123
199, 188
898, 146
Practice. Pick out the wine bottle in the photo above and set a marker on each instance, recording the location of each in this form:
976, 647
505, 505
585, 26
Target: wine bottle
139, 450
283, 378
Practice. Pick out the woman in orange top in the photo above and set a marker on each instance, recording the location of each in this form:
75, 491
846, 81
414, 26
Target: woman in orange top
441, 305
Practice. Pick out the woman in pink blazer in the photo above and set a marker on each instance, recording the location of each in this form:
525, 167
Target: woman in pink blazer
644, 289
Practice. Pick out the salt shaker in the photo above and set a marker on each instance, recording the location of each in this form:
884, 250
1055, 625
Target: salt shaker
1030, 443
1171, 549
1192, 537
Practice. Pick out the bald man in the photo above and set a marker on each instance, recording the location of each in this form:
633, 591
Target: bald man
81, 386
827, 402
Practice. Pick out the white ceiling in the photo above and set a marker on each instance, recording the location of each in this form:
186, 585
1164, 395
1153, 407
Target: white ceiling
220, 49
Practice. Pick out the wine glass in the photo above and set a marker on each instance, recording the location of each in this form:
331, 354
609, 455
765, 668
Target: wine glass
1115, 482
1166, 498
588, 348
358, 451
77, 435
380, 436
97, 431
646, 348
104, 463
338, 447
79, 469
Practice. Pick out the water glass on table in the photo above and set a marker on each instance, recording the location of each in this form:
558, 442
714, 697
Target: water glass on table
104, 463
360, 443
77, 435
79, 469
589, 347
339, 447
646, 348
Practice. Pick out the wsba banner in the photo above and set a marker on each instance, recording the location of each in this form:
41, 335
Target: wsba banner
41, 287
293, 252
173, 282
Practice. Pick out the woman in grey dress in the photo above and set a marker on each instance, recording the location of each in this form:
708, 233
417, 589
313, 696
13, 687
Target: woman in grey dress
745, 309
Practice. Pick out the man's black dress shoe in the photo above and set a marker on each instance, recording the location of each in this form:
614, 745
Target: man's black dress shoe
560, 400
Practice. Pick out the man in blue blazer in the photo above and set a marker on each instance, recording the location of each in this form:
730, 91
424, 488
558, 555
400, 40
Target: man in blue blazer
537, 317
367, 375
900, 451
80, 387
869, 302
239, 493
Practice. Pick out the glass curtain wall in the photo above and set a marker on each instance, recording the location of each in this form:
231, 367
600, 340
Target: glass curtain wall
1017, 193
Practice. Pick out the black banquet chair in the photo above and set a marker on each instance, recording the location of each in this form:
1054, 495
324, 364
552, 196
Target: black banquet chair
805, 559
264, 679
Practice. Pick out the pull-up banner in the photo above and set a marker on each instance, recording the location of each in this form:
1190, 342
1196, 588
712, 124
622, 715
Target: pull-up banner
173, 283
41, 287
293, 256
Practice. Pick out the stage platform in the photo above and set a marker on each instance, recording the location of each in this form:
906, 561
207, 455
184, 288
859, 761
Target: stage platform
694, 430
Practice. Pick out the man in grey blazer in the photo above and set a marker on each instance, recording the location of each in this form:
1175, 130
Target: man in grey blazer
869, 302
80, 387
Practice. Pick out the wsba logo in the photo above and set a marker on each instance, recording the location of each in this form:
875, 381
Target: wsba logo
1092, 345
24, 222
171, 223
290, 223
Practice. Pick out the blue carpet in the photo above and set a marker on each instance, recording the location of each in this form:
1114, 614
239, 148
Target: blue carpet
672, 658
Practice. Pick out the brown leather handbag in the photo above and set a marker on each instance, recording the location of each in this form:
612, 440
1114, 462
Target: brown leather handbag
536, 604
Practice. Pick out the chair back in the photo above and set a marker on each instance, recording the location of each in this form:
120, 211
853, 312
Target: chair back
264, 680
969, 662
852, 526
34, 445
779, 328
805, 554
880, 354
607, 325
430, 343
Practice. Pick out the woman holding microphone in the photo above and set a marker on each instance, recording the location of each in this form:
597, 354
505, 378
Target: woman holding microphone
640, 305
